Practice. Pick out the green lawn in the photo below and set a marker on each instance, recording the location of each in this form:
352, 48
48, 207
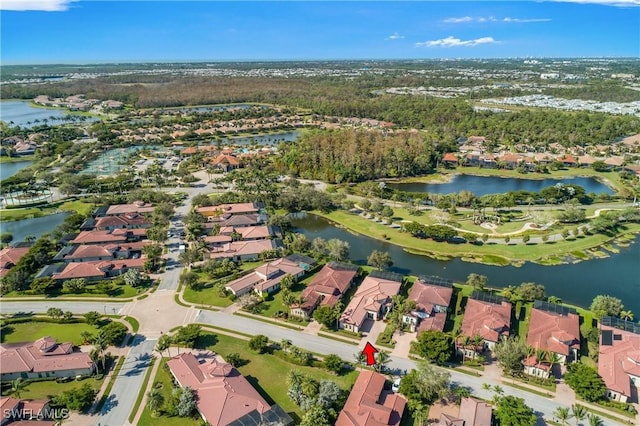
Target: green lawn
17, 214
207, 296
32, 331
494, 253
5, 159
49, 388
267, 373
121, 291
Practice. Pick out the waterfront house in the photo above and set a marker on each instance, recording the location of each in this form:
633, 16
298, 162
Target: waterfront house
326, 288
370, 404
224, 396
9, 257
43, 358
488, 316
432, 296
243, 250
556, 330
372, 300
265, 279
619, 358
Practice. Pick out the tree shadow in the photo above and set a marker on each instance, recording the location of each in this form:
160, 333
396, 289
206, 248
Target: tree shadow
206, 341
4, 331
110, 403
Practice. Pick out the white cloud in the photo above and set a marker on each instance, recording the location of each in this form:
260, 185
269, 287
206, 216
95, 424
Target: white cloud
456, 42
395, 36
525, 21
481, 19
459, 20
41, 5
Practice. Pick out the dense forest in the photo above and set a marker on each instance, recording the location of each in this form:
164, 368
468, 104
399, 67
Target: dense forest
340, 156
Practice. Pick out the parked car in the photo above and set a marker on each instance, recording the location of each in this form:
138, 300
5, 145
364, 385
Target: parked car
396, 385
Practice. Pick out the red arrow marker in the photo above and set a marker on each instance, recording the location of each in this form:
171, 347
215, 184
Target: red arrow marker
368, 351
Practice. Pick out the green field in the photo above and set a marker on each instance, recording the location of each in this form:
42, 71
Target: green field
77, 206
47, 389
32, 331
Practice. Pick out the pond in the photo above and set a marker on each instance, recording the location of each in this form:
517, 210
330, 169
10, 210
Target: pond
482, 185
22, 113
20, 229
576, 283
9, 169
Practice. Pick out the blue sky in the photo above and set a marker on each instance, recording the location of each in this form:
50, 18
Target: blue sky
61, 31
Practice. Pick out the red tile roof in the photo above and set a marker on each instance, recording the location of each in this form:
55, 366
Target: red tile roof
426, 295
224, 395
228, 209
97, 269
94, 237
486, 319
475, 412
42, 355
124, 221
330, 281
241, 248
371, 295
370, 405
554, 332
619, 360
135, 207
9, 256
450, 156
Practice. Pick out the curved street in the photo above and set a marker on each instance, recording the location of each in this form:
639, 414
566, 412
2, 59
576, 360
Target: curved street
158, 313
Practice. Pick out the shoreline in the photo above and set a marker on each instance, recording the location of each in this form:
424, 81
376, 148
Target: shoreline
570, 256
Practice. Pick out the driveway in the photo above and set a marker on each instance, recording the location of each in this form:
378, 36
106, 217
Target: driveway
120, 402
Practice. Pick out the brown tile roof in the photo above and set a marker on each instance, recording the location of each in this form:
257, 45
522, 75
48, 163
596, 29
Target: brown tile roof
486, 319
95, 237
370, 405
135, 207
9, 256
371, 295
554, 332
124, 221
96, 269
450, 156
223, 159
434, 322
330, 281
266, 276
616, 362
475, 412
44, 354
426, 296
226, 210
241, 248
224, 395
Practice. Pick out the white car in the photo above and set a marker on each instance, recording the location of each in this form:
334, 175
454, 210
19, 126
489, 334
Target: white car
396, 385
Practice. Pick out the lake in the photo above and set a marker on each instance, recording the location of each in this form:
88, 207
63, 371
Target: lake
483, 185
576, 283
9, 169
22, 113
20, 229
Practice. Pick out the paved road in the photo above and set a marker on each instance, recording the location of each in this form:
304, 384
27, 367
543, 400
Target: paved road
79, 307
120, 402
542, 406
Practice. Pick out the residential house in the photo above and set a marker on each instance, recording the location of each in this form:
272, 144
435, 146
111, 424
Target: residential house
139, 207
450, 159
265, 278
224, 211
93, 252
18, 412
43, 358
473, 412
109, 237
432, 296
96, 270
259, 232
487, 316
619, 358
225, 162
224, 396
509, 160
243, 250
372, 300
369, 404
554, 329
326, 288
9, 257
568, 160
124, 221
586, 160
614, 163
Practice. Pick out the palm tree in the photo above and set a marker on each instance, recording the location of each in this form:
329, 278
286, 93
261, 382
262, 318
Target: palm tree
594, 420
285, 344
626, 315
382, 358
17, 386
100, 343
578, 412
164, 344
562, 414
154, 400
